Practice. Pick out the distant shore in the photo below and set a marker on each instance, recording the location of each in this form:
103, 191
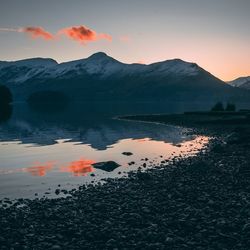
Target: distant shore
198, 120
199, 202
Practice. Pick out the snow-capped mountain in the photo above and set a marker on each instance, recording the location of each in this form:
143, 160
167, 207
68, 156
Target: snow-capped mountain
101, 77
23, 70
98, 64
241, 82
31, 63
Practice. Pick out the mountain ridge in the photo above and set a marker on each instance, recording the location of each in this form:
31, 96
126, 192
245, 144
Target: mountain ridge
101, 77
95, 64
241, 82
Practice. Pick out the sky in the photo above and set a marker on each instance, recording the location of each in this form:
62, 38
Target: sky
215, 34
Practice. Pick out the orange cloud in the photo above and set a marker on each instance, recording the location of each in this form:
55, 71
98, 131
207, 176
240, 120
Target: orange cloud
38, 32
80, 33
105, 36
83, 34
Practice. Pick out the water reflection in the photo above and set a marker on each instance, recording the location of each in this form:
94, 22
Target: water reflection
79, 168
5, 112
58, 147
40, 169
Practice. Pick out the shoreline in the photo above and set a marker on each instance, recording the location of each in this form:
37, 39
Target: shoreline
198, 202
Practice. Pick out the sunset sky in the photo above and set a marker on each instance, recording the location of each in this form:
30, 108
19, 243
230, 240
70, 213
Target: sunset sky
215, 34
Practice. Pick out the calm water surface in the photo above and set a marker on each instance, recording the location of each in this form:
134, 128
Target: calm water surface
38, 152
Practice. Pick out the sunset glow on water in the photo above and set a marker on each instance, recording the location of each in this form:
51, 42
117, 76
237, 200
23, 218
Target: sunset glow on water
35, 169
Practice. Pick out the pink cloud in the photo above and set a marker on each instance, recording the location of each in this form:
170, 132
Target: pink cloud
125, 38
105, 36
83, 34
38, 32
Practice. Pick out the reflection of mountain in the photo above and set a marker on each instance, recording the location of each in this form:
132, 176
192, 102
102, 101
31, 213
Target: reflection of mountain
5, 112
100, 132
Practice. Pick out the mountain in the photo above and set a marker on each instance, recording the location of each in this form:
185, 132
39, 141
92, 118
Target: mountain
241, 82
23, 70
101, 77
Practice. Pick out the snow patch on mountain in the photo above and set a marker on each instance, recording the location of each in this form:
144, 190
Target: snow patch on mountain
175, 66
31, 63
241, 82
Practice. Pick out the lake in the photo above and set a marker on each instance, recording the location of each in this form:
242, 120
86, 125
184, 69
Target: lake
42, 150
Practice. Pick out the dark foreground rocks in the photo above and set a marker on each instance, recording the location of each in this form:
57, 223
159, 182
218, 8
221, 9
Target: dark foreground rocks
108, 166
200, 202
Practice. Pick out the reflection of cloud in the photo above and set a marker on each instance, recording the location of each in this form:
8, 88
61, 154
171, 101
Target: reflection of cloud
141, 61
40, 169
79, 168
83, 34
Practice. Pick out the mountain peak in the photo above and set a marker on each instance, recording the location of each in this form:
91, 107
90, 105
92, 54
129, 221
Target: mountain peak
176, 66
98, 56
242, 82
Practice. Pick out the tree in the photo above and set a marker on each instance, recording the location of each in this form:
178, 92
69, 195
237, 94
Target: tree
230, 107
5, 95
5, 100
218, 107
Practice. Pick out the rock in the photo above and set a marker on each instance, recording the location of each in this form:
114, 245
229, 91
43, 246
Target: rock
56, 247
131, 163
57, 191
218, 148
111, 242
246, 227
107, 166
143, 176
169, 240
146, 210
64, 191
127, 153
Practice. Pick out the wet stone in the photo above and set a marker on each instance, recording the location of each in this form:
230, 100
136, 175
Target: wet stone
127, 153
107, 166
57, 191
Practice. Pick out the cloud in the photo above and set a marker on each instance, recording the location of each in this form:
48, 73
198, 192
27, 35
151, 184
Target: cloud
83, 34
105, 36
38, 32
10, 30
125, 38
34, 32
80, 33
